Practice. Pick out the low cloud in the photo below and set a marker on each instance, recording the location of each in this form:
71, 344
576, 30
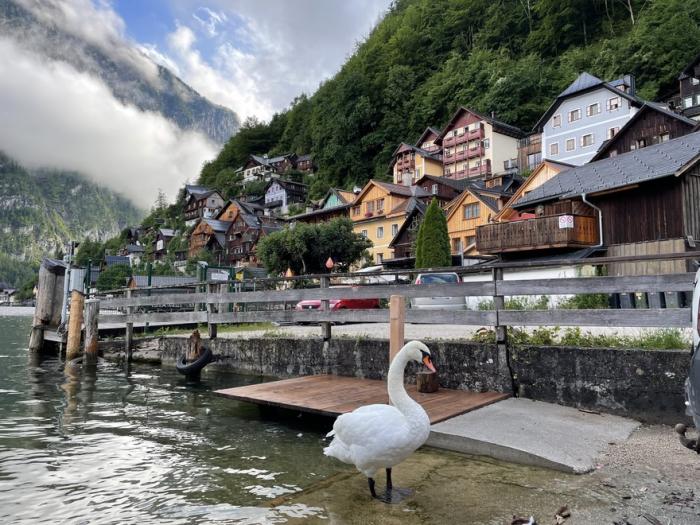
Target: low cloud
54, 116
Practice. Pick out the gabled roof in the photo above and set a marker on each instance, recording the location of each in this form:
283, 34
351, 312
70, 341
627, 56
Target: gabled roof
561, 166
414, 206
111, 260
428, 131
453, 205
266, 161
410, 147
584, 82
218, 226
646, 107
400, 189
203, 195
135, 248
302, 158
642, 165
193, 189
288, 185
498, 125
167, 232
456, 184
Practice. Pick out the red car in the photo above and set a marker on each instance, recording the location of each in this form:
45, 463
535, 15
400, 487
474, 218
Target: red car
338, 304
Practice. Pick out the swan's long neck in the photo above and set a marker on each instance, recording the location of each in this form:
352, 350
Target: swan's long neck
397, 392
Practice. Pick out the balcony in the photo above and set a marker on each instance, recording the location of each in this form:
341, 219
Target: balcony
448, 141
484, 169
542, 233
460, 155
460, 139
475, 152
475, 134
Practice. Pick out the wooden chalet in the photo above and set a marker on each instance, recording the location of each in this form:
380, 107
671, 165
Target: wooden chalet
442, 188
689, 83
160, 243
335, 204
280, 194
235, 206
404, 242
203, 233
202, 206
644, 201
651, 124
480, 201
530, 152
242, 238
542, 173
409, 163
428, 140
305, 164
262, 167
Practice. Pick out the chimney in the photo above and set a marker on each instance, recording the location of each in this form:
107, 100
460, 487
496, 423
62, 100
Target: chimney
629, 81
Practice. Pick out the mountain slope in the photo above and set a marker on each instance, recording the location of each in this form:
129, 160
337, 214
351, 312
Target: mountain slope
132, 77
41, 210
427, 57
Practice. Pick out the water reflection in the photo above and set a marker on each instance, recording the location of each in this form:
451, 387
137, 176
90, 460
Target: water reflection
113, 444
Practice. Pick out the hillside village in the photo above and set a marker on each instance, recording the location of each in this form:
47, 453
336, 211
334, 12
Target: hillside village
602, 171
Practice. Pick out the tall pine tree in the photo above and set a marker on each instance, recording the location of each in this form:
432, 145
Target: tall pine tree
433, 243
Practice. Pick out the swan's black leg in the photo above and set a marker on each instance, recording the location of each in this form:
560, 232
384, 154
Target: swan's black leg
370, 481
388, 480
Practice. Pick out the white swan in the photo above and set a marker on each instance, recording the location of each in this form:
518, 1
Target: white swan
373, 437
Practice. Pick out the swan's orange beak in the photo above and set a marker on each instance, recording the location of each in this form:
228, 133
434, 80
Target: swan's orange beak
428, 363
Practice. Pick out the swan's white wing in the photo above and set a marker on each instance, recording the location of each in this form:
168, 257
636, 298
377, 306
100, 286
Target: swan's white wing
371, 423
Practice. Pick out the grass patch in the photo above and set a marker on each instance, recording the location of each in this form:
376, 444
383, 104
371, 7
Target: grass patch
166, 331
662, 339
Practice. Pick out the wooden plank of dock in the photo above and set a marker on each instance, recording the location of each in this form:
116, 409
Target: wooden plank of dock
330, 395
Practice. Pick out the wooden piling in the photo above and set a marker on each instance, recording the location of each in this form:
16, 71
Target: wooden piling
92, 312
211, 327
397, 320
75, 325
129, 335
325, 325
43, 310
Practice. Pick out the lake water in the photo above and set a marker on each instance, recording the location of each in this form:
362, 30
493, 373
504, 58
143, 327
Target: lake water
141, 446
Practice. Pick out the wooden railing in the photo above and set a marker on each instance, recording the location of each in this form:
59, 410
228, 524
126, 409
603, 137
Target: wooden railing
537, 234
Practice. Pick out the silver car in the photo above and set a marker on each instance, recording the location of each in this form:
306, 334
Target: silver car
438, 303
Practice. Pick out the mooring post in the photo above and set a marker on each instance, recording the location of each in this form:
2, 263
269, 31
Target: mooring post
43, 309
129, 336
211, 327
499, 304
92, 313
397, 320
325, 325
75, 325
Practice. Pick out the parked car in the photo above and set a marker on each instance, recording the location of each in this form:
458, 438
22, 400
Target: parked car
438, 303
338, 304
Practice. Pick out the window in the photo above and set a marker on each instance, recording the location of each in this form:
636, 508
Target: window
593, 110
399, 177
533, 159
455, 245
435, 189
574, 115
694, 81
418, 173
556, 121
380, 232
688, 102
370, 207
448, 170
487, 143
554, 148
587, 140
664, 137
364, 233
471, 211
613, 104
570, 144
471, 239
356, 210
613, 131
394, 229
380, 205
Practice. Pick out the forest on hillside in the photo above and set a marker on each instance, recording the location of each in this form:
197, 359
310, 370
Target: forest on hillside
427, 57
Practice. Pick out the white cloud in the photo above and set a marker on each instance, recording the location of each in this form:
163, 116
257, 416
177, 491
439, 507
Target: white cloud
209, 20
52, 115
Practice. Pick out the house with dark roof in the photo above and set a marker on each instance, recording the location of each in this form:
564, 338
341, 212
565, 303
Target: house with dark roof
442, 188
586, 114
427, 141
474, 145
141, 281
378, 212
409, 163
280, 194
243, 235
689, 83
262, 167
305, 163
204, 205
336, 203
161, 241
403, 243
652, 124
643, 201
235, 206
203, 233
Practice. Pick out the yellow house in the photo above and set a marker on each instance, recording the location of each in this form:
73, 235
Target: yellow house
378, 212
409, 163
541, 174
466, 213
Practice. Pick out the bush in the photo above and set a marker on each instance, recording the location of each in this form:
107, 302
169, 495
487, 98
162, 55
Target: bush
433, 243
113, 277
585, 301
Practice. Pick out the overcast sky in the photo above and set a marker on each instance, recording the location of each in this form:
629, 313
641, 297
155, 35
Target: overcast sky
253, 56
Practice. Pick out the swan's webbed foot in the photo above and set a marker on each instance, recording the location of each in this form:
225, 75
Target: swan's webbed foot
692, 444
391, 494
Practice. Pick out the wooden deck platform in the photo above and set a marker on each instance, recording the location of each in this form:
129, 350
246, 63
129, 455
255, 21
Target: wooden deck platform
331, 395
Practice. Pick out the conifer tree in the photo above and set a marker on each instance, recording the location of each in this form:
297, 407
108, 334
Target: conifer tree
433, 243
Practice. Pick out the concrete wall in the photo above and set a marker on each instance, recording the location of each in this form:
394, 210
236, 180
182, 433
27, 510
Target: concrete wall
644, 384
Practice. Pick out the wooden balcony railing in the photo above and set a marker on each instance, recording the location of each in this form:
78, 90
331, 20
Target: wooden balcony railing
542, 233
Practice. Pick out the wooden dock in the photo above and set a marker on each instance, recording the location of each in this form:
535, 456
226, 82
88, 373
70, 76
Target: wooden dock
331, 395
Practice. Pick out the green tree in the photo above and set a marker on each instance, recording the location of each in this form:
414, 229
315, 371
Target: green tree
433, 243
114, 277
305, 248
90, 250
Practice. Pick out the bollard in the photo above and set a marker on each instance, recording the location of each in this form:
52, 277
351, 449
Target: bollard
397, 320
92, 313
75, 325
43, 307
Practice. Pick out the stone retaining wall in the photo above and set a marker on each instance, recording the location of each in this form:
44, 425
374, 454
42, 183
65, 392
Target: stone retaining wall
644, 384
